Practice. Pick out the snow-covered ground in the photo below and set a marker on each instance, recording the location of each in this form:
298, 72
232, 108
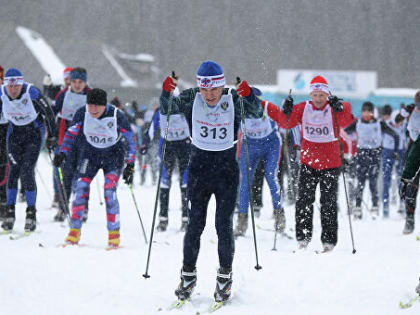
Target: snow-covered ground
38, 276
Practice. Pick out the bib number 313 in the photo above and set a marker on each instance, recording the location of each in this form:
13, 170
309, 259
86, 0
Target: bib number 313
214, 133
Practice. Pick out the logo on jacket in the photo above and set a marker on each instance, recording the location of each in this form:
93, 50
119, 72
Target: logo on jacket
110, 124
224, 105
25, 101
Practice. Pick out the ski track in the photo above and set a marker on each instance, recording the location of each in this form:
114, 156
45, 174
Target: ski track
90, 280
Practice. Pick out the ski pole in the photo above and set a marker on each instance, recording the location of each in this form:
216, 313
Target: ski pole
138, 212
241, 102
61, 189
289, 174
344, 179
146, 275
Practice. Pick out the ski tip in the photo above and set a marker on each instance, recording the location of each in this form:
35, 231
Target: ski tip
215, 306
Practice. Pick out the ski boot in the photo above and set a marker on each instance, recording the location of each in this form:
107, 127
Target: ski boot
223, 285
374, 211
60, 216
302, 245
30, 221
242, 224
386, 212
163, 224
409, 224
73, 237
3, 208
187, 284
184, 224
327, 247
357, 213
279, 220
9, 219
114, 239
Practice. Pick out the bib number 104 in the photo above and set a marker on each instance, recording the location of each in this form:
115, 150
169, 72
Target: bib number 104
213, 132
317, 131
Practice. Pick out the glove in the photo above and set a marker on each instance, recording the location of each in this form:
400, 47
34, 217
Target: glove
128, 173
403, 188
170, 84
143, 149
335, 103
288, 105
59, 159
51, 143
243, 89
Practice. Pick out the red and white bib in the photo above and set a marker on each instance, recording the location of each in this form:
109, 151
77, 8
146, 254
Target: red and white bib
317, 125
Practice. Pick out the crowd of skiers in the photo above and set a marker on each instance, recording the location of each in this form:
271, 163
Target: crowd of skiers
224, 142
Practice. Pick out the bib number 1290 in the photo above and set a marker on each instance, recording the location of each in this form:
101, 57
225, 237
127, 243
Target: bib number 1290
317, 131
213, 132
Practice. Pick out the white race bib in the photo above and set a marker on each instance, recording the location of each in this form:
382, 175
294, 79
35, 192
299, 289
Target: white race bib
178, 127
19, 111
101, 133
71, 103
318, 125
413, 126
213, 127
258, 128
369, 136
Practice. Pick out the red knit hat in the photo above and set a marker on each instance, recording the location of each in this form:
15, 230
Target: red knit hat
66, 72
319, 84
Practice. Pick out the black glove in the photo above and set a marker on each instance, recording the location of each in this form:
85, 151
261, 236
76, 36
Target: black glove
403, 188
51, 142
288, 105
143, 149
128, 173
59, 159
335, 103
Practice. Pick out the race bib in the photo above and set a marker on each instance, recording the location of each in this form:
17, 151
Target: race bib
317, 125
178, 127
101, 133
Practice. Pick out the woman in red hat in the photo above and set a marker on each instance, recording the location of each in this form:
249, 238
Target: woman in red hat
320, 119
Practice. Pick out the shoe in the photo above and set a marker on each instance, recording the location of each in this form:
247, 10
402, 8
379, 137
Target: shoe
375, 211
73, 237
3, 207
279, 220
409, 224
357, 213
187, 284
9, 219
223, 285
327, 247
303, 244
184, 224
386, 212
163, 224
60, 216
30, 221
242, 224
257, 211
114, 239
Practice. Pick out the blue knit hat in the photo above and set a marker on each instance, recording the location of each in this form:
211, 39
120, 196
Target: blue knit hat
77, 74
13, 77
210, 75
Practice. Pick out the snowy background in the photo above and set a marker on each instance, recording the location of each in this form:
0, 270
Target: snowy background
90, 280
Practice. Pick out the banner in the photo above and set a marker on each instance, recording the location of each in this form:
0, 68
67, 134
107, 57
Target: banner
342, 83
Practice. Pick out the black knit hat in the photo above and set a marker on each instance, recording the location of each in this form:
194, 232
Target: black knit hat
96, 97
387, 110
367, 106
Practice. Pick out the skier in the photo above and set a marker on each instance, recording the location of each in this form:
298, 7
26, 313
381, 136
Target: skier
213, 113
4, 166
26, 110
369, 138
66, 105
411, 188
388, 159
264, 143
177, 152
320, 157
99, 127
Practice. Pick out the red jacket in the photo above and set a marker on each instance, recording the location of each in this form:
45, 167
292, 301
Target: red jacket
315, 155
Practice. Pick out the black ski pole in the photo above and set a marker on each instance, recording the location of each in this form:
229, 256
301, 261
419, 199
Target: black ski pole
344, 178
286, 156
138, 212
245, 144
146, 274
61, 190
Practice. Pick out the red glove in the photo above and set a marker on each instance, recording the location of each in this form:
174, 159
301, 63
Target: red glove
243, 89
169, 84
